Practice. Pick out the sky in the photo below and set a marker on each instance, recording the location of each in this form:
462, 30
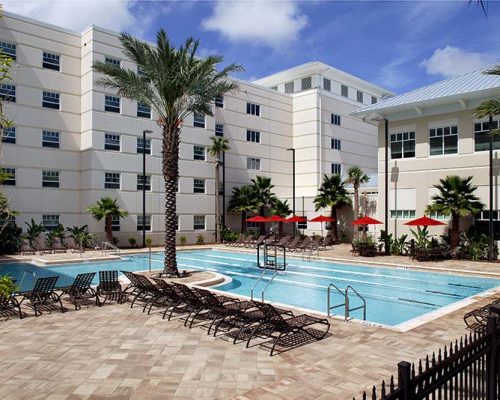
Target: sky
399, 45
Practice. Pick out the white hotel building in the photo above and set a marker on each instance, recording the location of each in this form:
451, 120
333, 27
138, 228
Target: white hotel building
74, 142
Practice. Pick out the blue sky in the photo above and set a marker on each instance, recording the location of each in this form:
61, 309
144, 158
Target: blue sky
398, 45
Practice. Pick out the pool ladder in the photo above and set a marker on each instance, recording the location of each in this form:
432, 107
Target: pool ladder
346, 303
28, 271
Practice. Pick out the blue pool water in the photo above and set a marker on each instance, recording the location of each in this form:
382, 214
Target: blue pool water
393, 295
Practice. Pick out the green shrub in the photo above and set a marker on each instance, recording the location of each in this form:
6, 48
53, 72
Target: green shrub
228, 235
200, 239
149, 241
132, 241
183, 240
10, 238
7, 286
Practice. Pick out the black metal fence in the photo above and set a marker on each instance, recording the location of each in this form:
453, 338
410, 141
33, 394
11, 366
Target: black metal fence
465, 370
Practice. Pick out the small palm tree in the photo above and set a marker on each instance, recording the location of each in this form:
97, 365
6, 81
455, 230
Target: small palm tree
175, 83
242, 202
263, 197
107, 209
33, 231
356, 177
281, 208
332, 193
219, 146
456, 198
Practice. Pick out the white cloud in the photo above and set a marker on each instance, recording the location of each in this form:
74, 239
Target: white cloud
452, 61
273, 23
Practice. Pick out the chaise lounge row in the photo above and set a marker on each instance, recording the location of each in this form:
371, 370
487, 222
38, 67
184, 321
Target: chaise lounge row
291, 243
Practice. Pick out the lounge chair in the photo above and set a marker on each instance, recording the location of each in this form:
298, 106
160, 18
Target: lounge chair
327, 243
26, 247
284, 240
476, 320
255, 243
9, 305
246, 242
109, 287
292, 244
43, 296
143, 290
304, 245
174, 300
239, 239
81, 291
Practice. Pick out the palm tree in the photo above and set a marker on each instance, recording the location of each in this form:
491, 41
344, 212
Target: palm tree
219, 146
263, 197
456, 198
356, 177
281, 208
242, 201
332, 193
108, 209
175, 83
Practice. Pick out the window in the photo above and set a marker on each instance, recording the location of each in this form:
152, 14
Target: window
111, 142
306, 83
115, 223
443, 140
374, 100
275, 87
359, 96
327, 84
253, 136
140, 181
50, 221
10, 179
253, 225
50, 139
9, 135
199, 120
199, 186
402, 214
402, 145
436, 215
51, 61
221, 188
50, 100
140, 145
112, 61
219, 101
302, 225
111, 180
112, 104
335, 119
336, 169
253, 163
253, 109
8, 49
144, 221
219, 130
141, 72
485, 215
8, 92
199, 153
198, 222
143, 110
344, 91
482, 137
336, 145
50, 179
289, 87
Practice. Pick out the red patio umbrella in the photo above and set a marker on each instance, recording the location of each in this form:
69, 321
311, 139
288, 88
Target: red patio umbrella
275, 218
366, 221
424, 221
296, 219
322, 218
257, 218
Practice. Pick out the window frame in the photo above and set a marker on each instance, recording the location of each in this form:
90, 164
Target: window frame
334, 167
405, 214
335, 119
147, 183
147, 222
219, 101
219, 130
112, 107
9, 135
143, 110
253, 136
197, 156
360, 96
111, 140
8, 92
9, 49
197, 189
11, 179
115, 223
443, 135
51, 225
110, 180
336, 144
51, 61
308, 83
399, 137
51, 100
109, 60
485, 133
253, 109
197, 226
254, 164
51, 139
51, 179
290, 87
327, 87
147, 146
344, 91
197, 120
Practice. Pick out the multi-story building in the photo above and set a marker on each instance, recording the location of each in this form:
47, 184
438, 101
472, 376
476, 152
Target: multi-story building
432, 133
75, 142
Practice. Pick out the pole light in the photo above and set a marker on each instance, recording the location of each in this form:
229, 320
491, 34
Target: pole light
293, 184
144, 133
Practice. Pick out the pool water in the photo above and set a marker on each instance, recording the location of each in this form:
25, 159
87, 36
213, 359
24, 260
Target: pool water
393, 295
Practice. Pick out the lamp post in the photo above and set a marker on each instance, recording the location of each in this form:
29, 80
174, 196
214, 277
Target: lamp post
490, 217
144, 132
293, 184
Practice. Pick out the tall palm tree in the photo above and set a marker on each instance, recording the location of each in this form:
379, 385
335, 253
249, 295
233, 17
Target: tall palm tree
356, 177
281, 208
107, 209
242, 201
456, 198
263, 197
332, 193
175, 83
219, 146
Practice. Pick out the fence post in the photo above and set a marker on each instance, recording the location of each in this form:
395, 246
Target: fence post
404, 380
492, 359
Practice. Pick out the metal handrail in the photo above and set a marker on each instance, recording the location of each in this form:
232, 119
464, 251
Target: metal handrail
329, 307
348, 309
24, 275
256, 283
104, 245
268, 283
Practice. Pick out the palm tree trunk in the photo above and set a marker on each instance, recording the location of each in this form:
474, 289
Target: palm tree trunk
262, 224
334, 224
108, 229
455, 231
217, 210
170, 153
356, 210
243, 222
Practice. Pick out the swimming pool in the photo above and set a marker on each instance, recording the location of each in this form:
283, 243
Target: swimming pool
393, 295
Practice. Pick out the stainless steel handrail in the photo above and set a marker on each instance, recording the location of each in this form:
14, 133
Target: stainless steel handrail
268, 283
329, 307
104, 245
24, 275
256, 283
348, 309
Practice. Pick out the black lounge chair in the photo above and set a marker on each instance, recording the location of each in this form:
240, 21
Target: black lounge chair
81, 291
174, 300
43, 296
9, 305
109, 287
476, 320
143, 290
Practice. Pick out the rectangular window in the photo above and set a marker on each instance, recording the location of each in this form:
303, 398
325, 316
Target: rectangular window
50, 221
253, 163
199, 153
50, 139
143, 110
274, 88
198, 120
146, 221
140, 146
219, 101
436, 215
374, 100
9, 135
306, 83
327, 84
112, 104
112, 61
140, 182
443, 140
253, 225
115, 223
198, 222
219, 130
336, 144
51, 61
198, 185
359, 96
8, 49
289, 87
335, 119
336, 169
402, 145
50, 100
11, 176
344, 91
482, 137
111, 180
402, 214
253, 136
8, 92
50, 179
253, 109
111, 142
